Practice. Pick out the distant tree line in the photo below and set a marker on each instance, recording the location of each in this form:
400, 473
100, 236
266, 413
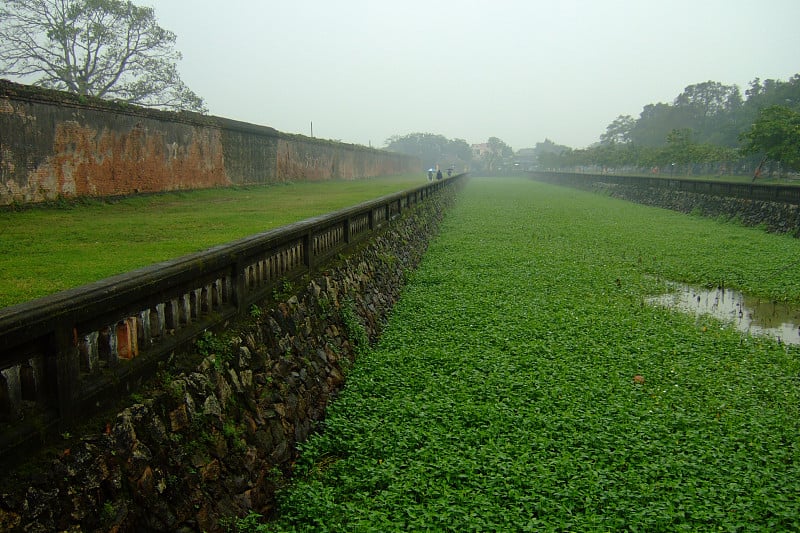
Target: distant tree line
709, 128
435, 150
432, 149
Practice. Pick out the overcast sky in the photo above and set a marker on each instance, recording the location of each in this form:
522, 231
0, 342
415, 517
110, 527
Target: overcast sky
521, 70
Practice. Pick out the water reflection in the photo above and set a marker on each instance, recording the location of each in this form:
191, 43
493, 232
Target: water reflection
750, 315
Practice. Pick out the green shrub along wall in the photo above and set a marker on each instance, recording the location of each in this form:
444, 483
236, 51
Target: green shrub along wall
217, 440
55, 144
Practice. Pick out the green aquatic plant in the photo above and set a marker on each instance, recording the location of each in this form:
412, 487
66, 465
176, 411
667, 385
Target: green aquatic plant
521, 384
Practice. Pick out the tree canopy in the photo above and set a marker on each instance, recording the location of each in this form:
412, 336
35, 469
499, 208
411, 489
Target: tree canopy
432, 149
716, 113
776, 135
498, 152
110, 49
709, 128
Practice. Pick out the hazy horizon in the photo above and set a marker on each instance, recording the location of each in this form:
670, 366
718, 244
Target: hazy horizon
519, 70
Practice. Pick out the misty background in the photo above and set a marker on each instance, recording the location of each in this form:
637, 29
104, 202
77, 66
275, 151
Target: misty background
520, 70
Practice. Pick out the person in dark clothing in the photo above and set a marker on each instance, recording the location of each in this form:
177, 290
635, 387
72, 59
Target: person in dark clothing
438, 174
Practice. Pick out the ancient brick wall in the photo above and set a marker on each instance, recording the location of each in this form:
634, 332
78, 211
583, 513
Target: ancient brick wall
300, 159
55, 144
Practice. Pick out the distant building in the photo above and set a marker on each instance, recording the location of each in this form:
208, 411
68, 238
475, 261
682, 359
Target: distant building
526, 159
480, 150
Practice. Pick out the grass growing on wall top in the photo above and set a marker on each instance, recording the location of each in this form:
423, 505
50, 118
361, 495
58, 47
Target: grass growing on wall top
47, 249
502, 397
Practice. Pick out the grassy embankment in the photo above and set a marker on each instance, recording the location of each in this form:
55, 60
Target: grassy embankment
48, 249
502, 396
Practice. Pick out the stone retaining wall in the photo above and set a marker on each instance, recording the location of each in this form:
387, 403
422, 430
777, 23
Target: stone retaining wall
773, 207
776, 217
219, 439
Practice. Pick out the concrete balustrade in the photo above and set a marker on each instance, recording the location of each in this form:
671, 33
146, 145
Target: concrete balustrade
65, 355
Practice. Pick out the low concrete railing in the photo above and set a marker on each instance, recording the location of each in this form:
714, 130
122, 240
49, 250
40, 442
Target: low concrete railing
789, 194
64, 355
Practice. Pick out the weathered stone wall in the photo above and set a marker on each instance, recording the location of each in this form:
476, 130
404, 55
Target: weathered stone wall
55, 144
50, 149
300, 159
254, 154
774, 216
218, 440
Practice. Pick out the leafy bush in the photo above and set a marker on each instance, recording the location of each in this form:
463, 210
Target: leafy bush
209, 344
353, 326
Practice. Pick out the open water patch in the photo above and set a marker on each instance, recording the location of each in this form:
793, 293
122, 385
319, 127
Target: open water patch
751, 315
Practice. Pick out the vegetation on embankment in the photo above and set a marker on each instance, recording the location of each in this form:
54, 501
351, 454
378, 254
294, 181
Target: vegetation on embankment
67, 244
522, 384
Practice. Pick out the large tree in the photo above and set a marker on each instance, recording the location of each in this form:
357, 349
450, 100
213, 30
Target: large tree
110, 49
619, 131
711, 109
776, 136
497, 153
656, 121
710, 98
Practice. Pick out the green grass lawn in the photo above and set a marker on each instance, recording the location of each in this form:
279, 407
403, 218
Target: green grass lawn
501, 396
48, 249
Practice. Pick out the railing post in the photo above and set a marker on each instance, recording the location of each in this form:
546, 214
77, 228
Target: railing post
308, 250
238, 285
63, 372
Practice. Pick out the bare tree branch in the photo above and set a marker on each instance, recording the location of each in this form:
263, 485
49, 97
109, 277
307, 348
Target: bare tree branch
106, 48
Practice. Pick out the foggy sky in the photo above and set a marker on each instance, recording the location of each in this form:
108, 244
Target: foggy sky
520, 70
